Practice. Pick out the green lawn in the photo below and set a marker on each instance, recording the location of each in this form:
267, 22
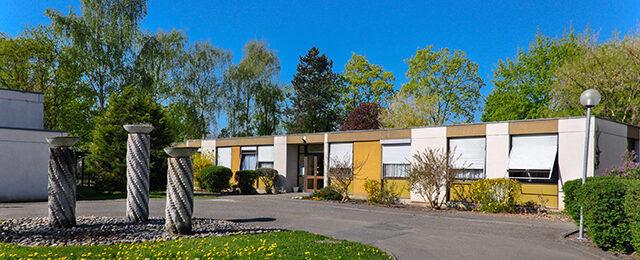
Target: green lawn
276, 245
88, 193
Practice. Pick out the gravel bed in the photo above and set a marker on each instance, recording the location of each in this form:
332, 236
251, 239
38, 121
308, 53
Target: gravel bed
108, 230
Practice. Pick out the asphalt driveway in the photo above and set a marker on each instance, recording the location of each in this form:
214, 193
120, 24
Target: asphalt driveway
403, 233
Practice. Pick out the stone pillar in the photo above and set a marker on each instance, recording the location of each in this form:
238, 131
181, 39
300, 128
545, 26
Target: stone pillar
62, 181
138, 151
179, 208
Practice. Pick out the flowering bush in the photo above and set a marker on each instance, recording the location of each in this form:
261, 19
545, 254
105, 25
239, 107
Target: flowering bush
377, 193
629, 168
327, 193
496, 195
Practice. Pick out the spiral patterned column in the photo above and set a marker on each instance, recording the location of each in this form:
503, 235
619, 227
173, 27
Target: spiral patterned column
179, 208
62, 182
138, 152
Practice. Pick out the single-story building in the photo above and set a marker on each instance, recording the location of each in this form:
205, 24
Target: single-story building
542, 154
24, 151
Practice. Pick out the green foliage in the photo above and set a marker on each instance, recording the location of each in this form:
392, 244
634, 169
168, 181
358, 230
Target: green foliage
408, 110
605, 218
327, 193
612, 68
380, 193
201, 161
364, 116
523, 85
632, 210
313, 96
450, 79
215, 178
268, 176
365, 83
496, 195
571, 198
108, 151
245, 180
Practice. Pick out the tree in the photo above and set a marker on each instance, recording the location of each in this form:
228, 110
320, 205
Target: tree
450, 79
102, 38
613, 68
253, 95
342, 173
522, 86
314, 95
410, 110
431, 176
198, 98
109, 147
364, 116
365, 83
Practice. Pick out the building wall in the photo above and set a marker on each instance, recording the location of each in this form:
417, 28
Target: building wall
24, 158
497, 150
611, 143
571, 152
21, 109
292, 167
280, 160
423, 138
369, 156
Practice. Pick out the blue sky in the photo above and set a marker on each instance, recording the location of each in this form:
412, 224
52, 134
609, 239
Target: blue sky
387, 32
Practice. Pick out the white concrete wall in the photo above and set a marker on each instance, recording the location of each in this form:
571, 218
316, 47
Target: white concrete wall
326, 160
610, 145
24, 162
497, 150
21, 109
423, 138
280, 160
208, 146
571, 152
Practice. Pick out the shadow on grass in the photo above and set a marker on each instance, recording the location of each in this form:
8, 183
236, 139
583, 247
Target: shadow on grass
88, 193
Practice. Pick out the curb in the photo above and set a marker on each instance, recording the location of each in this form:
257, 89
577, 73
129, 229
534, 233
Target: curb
586, 249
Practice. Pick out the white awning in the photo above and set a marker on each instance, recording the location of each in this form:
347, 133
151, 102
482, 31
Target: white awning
396, 141
467, 153
396, 154
248, 148
533, 152
341, 152
223, 157
265, 153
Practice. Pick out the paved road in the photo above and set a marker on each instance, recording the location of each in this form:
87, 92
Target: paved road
405, 234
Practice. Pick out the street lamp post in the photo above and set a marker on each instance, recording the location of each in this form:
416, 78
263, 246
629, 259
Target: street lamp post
589, 98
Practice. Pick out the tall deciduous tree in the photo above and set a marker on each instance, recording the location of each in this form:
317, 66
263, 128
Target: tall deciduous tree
365, 83
447, 82
198, 97
102, 38
613, 68
248, 83
408, 110
314, 95
364, 116
522, 86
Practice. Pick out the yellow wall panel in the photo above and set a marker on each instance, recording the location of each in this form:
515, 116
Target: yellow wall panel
369, 154
400, 185
461, 191
537, 188
235, 161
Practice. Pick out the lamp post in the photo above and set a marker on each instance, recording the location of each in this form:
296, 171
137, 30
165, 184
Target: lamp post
589, 98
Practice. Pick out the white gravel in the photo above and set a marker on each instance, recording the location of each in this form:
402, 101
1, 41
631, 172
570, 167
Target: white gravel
109, 230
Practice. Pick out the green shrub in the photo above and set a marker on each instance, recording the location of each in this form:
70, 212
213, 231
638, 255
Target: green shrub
377, 193
571, 202
496, 195
632, 209
245, 180
327, 193
201, 161
268, 177
604, 212
215, 178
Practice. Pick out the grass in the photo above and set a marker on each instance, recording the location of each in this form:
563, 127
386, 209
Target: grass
88, 193
277, 245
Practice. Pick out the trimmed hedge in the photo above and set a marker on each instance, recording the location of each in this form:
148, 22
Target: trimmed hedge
605, 218
632, 208
245, 180
215, 178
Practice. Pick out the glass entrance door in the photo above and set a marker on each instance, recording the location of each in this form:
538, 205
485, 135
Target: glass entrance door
314, 173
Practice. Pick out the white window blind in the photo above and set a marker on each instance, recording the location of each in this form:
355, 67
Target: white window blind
534, 152
265, 153
396, 154
341, 152
223, 156
248, 148
467, 153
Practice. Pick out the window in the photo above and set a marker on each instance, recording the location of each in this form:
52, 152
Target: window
249, 159
395, 159
533, 158
468, 157
223, 157
340, 154
265, 156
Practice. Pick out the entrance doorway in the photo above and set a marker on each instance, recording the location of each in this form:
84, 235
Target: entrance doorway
314, 177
